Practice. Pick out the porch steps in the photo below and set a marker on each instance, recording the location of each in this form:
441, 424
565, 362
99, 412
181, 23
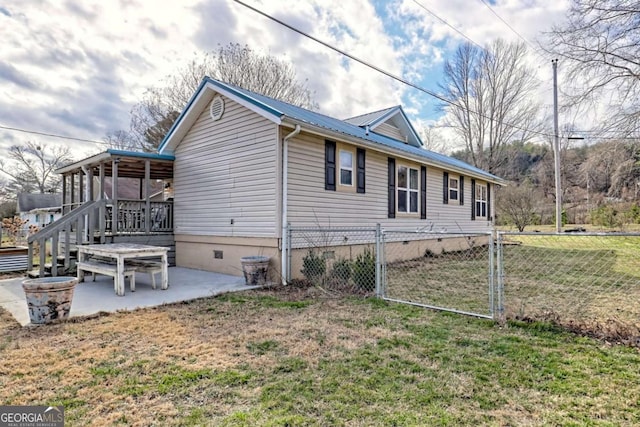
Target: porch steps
48, 267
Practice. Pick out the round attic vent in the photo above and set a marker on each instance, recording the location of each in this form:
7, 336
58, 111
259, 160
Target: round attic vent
217, 108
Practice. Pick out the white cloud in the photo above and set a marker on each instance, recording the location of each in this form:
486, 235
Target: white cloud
77, 67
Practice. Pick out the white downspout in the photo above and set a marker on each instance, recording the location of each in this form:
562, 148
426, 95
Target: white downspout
285, 185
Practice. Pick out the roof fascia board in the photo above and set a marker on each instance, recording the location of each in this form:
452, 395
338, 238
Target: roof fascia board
397, 110
89, 160
150, 156
413, 131
320, 131
178, 129
176, 124
247, 101
386, 116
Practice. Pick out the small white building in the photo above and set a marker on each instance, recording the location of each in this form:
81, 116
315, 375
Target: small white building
39, 209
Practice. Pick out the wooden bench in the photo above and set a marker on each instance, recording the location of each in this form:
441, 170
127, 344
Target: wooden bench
144, 266
107, 269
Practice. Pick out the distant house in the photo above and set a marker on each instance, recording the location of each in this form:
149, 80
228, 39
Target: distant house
39, 209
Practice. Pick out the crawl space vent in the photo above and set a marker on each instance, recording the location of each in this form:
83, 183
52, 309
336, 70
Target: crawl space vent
217, 108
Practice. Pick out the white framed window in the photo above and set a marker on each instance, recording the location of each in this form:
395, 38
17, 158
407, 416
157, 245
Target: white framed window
454, 188
481, 200
346, 168
408, 189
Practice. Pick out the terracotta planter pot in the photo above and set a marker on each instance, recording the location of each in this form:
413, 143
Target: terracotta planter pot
49, 298
255, 269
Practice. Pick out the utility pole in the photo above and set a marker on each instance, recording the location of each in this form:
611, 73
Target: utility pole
556, 147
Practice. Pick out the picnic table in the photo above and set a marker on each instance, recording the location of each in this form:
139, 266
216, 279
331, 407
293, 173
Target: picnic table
118, 268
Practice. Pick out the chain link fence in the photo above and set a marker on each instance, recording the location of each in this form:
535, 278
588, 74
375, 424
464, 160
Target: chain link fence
338, 260
589, 283
586, 282
450, 272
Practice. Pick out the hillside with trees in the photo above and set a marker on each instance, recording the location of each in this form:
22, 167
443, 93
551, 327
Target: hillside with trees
600, 183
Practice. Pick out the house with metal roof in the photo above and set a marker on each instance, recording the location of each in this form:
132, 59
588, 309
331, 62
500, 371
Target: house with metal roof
237, 168
246, 165
38, 209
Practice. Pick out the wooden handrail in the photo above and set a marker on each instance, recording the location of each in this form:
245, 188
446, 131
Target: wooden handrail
81, 223
58, 224
52, 231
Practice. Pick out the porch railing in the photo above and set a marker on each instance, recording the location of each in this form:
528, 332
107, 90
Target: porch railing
93, 221
136, 216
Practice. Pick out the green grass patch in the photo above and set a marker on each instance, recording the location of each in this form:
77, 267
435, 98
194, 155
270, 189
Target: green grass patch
337, 362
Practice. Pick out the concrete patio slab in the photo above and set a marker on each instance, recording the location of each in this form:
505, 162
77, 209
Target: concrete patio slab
95, 297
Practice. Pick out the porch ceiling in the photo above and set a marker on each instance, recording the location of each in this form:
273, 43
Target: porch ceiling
130, 164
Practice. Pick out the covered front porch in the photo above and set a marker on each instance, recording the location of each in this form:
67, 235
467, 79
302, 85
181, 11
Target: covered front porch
112, 197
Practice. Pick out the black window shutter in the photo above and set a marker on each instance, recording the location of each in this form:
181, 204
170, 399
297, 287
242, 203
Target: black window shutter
445, 188
473, 199
488, 201
330, 165
391, 174
423, 192
361, 176
461, 192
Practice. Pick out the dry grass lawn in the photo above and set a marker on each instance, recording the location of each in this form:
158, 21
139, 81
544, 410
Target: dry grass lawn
298, 358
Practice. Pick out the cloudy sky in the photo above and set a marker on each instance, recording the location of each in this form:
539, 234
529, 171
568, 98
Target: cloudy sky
75, 68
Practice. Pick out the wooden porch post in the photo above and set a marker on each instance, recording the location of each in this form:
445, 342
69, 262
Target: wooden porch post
64, 193
114, 195
91, 217
72, 177
101, 172
102, 220
81, 188
90, 185
147, 186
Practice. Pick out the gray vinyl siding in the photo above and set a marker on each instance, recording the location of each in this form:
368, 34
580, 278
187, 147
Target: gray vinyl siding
391, 131
310, 205
226, 170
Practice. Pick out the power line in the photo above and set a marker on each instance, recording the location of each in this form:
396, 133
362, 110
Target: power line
447, 24
386, 73
510, 27
430, 12
53, 135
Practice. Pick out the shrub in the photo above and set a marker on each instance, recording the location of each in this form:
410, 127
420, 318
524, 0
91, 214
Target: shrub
634, 213
605, 216
364, 270
313, 266
342, 269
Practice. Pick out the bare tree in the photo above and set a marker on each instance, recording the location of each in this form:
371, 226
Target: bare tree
237, 65
601, 47
121, 140
492, 94
433, 139
31, 166
517, 204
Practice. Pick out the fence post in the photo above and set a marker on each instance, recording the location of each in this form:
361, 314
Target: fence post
492, 287
500, 266
378, 263
289, 255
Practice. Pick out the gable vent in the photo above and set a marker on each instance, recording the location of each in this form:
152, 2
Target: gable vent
217, 108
